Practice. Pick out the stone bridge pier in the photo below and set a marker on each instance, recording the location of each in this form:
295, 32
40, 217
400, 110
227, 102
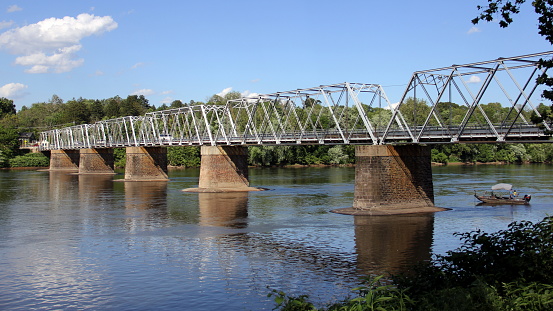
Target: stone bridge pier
96, 161
223, 169
146, 164
64, 160
392, 180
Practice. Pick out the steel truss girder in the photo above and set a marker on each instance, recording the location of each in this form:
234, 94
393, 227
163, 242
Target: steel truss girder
344, 113
491, 78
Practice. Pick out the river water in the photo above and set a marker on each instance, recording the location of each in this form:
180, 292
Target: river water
74, 242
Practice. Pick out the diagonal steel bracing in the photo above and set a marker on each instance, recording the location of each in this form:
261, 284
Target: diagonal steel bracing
495, 99
426, 106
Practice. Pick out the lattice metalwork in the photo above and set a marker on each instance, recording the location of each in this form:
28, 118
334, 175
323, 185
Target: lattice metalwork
430, 107
491, 101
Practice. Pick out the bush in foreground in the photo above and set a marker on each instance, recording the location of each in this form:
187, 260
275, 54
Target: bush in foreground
508, 270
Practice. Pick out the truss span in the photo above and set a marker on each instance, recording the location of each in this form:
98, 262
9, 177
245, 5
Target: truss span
444, 105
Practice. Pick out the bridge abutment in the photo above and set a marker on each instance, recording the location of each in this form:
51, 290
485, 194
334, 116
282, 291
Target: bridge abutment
223, 169
96, 161
64, 160
146, 164
392, 180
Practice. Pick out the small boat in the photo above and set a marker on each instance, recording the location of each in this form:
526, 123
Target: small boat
508, 198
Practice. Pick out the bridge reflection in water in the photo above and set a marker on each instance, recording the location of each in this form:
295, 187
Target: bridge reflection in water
383, 244
245, 240
225, 209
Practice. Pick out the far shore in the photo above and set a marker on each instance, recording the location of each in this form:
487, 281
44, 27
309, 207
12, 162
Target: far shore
310, 165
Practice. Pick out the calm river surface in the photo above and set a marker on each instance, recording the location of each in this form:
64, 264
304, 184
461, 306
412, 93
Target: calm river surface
70, 242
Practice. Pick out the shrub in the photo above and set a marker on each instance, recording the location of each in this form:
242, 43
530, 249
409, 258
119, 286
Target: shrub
30, 160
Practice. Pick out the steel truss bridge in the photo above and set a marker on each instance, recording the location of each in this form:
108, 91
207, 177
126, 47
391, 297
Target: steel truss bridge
444, 105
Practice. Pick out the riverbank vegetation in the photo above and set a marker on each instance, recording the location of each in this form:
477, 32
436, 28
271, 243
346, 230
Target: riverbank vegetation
510, 269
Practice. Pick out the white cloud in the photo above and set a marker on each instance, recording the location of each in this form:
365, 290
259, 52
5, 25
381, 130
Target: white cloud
474, 79
13, 8
224, 92
473, 30
12, 90
50, 45
137, 65
167, 92
145, 92
248, 94
58, 62
392, 106
5, 24
167, 100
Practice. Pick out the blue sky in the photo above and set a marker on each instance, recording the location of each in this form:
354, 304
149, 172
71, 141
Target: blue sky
191, 50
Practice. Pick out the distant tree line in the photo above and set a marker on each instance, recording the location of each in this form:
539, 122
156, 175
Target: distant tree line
56, 113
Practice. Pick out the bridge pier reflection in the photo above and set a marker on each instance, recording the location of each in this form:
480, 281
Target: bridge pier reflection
392, 244
228, 209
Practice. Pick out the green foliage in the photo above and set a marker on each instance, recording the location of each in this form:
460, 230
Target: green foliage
119, 157
289, 303
337, 155
134, 105
304, 155
186, 156
30, 160
414, 111
6, 107
523, 252
9, 144
439, 157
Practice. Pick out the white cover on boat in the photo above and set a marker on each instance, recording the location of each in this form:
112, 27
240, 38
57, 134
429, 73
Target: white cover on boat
502, 187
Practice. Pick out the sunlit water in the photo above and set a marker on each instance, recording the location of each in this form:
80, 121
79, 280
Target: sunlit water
70, 242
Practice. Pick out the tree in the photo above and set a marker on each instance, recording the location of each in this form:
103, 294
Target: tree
77, 112
505, 9
222, 100
96, 110
176, 104
112, 107
9, 144
134, 105
415, 111
6, 107
56, 100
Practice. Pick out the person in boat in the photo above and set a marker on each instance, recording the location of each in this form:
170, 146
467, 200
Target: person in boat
511, 194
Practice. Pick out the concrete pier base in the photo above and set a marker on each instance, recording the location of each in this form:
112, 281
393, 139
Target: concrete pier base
223, 169
392, 180
96, 161
64, 160
146, 164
